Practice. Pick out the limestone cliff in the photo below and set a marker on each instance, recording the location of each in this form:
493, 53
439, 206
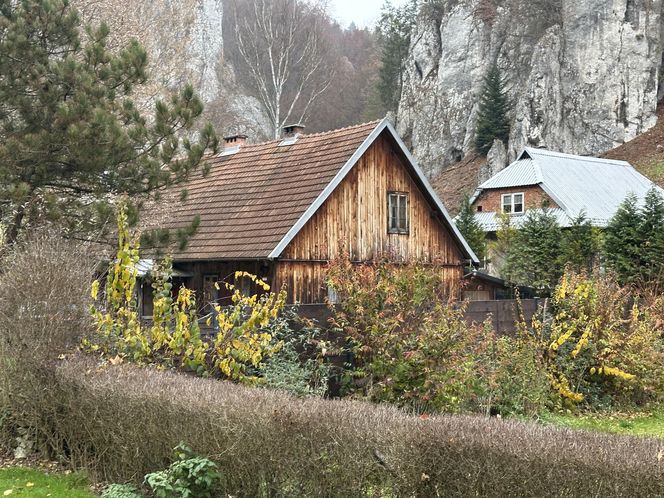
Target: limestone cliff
582, 75
184, 42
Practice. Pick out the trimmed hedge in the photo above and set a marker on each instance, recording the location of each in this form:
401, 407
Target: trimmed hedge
122, 421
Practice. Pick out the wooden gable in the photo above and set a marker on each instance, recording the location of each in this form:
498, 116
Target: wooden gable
354, 220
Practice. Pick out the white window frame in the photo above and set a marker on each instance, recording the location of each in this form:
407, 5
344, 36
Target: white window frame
402, 226
511, 196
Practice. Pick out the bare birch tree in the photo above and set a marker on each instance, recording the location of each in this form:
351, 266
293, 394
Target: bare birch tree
283, 54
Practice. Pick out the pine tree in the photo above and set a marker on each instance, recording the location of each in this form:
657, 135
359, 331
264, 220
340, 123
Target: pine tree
651, 236
471, 229
579, 245
393, 29
623, 241
492, 119
71, 138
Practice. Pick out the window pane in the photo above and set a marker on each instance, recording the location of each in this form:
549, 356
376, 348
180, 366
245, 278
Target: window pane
507, 204
393, 212
403, 212
518, 203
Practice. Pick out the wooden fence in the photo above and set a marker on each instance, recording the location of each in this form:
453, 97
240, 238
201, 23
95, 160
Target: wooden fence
503, 313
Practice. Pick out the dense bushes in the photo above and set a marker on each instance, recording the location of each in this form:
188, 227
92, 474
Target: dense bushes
174, 338
121, 421
592, 345
601, 346
44, 288
410, 344
267, 443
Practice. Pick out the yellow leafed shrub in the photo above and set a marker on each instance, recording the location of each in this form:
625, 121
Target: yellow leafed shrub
602, 346
173, 339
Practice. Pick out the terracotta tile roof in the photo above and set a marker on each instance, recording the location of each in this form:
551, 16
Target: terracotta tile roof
251, 199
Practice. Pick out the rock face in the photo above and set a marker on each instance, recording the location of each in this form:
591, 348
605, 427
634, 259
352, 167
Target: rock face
184, 42
183, 38
496, 160
582, 75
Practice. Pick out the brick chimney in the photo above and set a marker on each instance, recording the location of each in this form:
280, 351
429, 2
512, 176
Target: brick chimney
234, 141
292, 131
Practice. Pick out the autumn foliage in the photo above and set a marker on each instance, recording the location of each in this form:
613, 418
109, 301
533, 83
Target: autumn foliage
174, 339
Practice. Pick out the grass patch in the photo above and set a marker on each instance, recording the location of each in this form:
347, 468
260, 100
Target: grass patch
21, 481
653, 169
636, 424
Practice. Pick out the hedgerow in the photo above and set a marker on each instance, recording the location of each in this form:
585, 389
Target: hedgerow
121, 422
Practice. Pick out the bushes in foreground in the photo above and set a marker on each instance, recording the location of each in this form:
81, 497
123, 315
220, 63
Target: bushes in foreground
595, 344
44, 288
121, 422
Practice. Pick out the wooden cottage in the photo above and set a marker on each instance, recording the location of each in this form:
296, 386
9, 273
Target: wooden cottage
283, 209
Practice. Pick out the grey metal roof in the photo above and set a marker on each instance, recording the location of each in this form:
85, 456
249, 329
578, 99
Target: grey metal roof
145, 266
490, 221
576, 183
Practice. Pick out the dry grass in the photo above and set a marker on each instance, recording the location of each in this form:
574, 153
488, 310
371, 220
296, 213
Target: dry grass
122, 421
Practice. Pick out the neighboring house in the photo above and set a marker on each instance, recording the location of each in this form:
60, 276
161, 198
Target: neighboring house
568, 184
283, 209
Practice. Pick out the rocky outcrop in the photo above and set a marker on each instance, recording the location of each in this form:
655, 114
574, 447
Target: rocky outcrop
184, 42
496, 160
582, 75
183, 38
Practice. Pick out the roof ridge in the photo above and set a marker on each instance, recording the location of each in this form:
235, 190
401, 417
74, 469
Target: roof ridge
547, 152
375, 122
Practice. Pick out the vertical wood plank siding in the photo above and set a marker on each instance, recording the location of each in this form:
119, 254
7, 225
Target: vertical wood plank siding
354, 220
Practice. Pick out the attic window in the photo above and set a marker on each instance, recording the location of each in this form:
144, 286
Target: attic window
397, 208
479, 209
512, 203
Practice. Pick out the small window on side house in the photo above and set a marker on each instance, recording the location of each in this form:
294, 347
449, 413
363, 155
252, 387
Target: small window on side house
397, 208
512, 203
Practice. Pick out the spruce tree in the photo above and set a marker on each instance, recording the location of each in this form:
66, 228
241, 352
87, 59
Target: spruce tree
71, 137
492, 119
651, 235
537, 250
578, 246
471, 229
623, 241
503, 250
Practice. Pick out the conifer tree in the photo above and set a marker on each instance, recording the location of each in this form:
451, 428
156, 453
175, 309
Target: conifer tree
394, 28
651, 235
471, 229
623, 241
71, 137
492, 119
579, 246
537, 250
503, 251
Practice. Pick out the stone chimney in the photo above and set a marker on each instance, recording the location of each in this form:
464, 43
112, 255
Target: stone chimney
292, 131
